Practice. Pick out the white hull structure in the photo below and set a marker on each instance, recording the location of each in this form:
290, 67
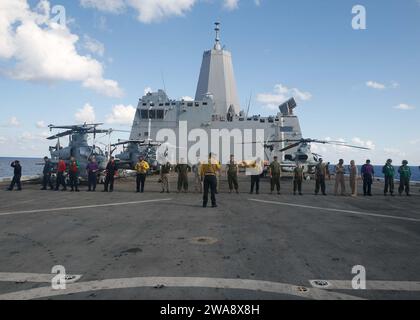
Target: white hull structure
216, 107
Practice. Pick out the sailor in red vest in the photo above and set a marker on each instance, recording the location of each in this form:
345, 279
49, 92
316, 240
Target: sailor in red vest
74, 174
61, 170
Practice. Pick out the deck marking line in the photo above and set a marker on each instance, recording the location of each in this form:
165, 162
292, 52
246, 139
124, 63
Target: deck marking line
371, 285
182, 282
34, 277
83, 207
377, 215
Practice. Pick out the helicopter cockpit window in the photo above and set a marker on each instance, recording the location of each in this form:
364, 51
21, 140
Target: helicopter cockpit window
98, 151
302, 157
85, 152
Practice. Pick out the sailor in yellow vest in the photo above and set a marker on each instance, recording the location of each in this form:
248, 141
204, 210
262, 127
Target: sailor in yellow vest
142, 167
208, 174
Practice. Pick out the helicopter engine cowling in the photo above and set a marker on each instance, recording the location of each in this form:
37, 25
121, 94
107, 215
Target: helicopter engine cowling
64, 154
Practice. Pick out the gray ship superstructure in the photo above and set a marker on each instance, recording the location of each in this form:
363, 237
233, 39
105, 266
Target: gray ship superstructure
216, 106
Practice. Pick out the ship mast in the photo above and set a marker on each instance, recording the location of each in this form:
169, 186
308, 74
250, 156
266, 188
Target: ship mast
217, 45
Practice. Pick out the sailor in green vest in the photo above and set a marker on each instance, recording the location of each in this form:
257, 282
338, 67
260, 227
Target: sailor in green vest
232, 174
275, 171
389, 173
405, 176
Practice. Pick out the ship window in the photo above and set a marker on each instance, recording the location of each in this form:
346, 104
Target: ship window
262, 120
144, 104
152, 104
204, 103
167, 104
160, 104
197, 104
174, 103
286, 129
190, 104
159, 114
146, 134
277, 120
144, 114
152, 114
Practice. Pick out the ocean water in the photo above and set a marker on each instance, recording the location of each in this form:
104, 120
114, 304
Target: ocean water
415, 171
29, 166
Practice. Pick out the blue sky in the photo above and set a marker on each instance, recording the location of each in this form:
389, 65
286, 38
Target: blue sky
350, 81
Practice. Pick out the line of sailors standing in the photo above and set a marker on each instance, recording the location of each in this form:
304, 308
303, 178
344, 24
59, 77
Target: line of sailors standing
205, 176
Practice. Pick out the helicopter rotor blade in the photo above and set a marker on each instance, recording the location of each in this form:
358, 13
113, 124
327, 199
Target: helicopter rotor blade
59, 135
348, 146
290, 146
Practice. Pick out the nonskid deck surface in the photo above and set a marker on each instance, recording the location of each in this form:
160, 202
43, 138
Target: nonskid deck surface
126, 245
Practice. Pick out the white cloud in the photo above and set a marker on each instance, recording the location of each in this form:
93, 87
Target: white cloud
375, 85
187, 98
3, 140
85, 114
114, 6
364, 143
280, 94
121, 115
394, 152
94, 46
40, 124
147, 90
416, 141
231, 4
12, 122
332, 152
148, 10
105, 86
395, 85
405, 107
381, 86
42, 50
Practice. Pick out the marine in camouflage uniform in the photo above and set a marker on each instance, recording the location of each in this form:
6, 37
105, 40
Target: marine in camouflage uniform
198, 185
182, 170
320, 174
232, 174
298, 179
275, 172
164, 177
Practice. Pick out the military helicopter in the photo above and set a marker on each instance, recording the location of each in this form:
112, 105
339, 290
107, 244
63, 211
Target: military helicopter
78, 145
303, 155
133, 149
